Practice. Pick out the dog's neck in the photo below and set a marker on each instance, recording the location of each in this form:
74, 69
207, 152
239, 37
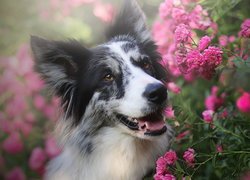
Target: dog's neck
110, 152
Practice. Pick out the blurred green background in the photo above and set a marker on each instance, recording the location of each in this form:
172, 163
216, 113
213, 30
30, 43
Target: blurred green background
56, 19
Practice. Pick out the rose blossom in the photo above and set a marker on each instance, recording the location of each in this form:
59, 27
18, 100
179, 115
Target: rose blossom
173, 87
208, 116
169, 112
164, 177
223, 40
51, 147
13, 144
219, 148
189, 156
165, 8
15, 174
161, 166
170, 157
204, 42
245, 29
182, 33
243, 102
37, 159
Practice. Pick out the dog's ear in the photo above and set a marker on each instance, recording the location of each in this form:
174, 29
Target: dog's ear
131, 21
58, 61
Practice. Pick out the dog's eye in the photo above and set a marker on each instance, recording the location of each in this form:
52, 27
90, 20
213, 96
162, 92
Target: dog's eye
108, 77
145, 63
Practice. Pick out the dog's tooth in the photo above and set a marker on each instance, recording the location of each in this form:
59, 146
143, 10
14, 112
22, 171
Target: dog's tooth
129, 118
135, 120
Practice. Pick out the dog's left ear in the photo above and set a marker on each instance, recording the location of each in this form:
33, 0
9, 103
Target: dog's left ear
131, 21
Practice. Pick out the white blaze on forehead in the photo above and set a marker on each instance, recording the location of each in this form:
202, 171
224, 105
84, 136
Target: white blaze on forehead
133, 102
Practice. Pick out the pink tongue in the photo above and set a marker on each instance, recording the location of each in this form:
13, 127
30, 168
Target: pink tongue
151, 125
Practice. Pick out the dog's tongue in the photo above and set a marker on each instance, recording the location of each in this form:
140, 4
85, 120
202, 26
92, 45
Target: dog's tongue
151, 123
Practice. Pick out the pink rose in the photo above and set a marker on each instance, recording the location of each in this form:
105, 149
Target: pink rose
204, 42
104, 11
173, 87
223, 40
170, 157
189, 156
219, 148
15, 174
37, 159
161, 164
245, 29
164, 177
182, 33
169, 112
51, 147
208, 116
13, 144
243, 102
39, 102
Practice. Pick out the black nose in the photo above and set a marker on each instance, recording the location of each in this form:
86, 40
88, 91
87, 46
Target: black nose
156, 93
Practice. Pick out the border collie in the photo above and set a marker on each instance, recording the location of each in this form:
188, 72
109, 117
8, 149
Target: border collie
113, 96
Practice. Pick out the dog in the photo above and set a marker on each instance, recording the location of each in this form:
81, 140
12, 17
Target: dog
113, 96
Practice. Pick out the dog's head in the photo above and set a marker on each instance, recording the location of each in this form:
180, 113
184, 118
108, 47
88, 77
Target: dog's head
119, 83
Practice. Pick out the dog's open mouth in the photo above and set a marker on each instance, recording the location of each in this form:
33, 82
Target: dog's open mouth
151, 125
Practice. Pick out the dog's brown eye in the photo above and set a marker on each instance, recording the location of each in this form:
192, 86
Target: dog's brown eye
145, 63
108, 77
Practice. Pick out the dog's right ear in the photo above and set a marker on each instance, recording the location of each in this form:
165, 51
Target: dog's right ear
58, 62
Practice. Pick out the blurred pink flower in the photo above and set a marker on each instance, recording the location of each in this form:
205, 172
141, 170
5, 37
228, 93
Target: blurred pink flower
16, 106
37, 159
170, 157
245, 29
39, 102
25, 62
219, 148
231, 39
179, 15
182, 33
51, 112
189, 157
33, 82
5, 125
173, 87
51, 147
13, 143
204, 42
223, 40
29, 117
104, 11
243, 102
198, 18
165, 8
169, 112
182, 135
2, 162
212, 102
245, 176
164, 177
208, 116
15, 174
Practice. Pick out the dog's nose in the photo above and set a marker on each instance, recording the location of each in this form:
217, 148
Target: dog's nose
156, 93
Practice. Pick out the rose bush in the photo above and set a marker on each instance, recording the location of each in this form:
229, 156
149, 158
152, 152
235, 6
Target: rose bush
211, 67
206, 52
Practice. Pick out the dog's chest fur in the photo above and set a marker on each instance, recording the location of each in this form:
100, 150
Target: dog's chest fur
114, 156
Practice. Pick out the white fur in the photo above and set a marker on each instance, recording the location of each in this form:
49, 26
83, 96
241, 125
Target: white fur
118, 156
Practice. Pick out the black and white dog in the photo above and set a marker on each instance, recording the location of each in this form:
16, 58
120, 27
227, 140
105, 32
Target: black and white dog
113, 96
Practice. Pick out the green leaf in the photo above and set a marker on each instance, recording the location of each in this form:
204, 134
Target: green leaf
218, 8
